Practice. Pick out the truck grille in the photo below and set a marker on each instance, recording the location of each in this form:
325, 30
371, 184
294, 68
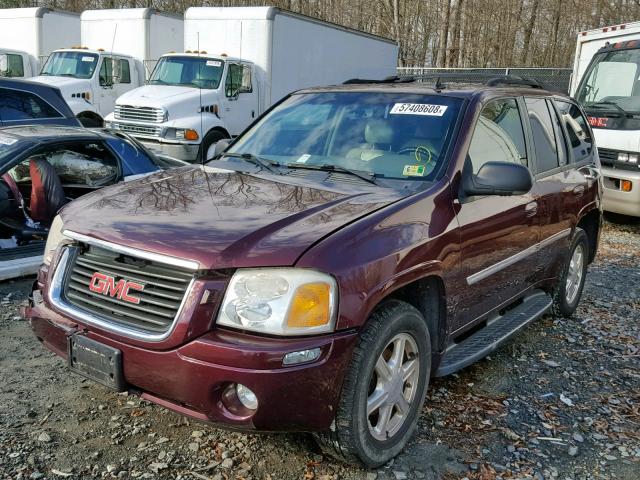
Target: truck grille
159, 300
145, 114
607, 156
137, 129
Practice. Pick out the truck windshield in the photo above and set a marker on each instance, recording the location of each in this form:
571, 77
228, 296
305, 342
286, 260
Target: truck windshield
198, 72
612, 82
390, 135
71, 64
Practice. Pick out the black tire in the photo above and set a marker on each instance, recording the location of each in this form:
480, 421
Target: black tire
563, 306
350, 439
90, 121
212, 137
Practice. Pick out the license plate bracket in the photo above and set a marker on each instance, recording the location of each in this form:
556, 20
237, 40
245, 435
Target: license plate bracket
96, 361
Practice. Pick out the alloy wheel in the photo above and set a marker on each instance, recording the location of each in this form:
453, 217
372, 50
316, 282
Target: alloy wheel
574, 274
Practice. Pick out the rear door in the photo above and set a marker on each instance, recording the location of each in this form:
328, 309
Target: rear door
498, 233
566, 174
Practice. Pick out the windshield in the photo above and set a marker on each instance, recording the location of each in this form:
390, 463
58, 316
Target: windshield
390, 135
71, 64
188, 71
612, 82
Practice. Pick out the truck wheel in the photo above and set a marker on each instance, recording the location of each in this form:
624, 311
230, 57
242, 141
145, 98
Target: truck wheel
91, 121
384, 388
210, 139
571, 282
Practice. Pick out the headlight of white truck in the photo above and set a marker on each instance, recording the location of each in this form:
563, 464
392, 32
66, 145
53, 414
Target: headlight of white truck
54, 239
280, 301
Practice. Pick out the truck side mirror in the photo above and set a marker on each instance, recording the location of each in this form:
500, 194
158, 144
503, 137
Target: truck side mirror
221, 146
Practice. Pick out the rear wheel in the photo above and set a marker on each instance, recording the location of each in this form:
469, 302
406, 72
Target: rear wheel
384, 388
571, 282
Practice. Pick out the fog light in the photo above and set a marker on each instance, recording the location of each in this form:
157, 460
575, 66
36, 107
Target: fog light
246, 397
625, 185
303, 356
623, 157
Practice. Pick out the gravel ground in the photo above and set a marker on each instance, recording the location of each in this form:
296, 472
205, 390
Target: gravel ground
560, 400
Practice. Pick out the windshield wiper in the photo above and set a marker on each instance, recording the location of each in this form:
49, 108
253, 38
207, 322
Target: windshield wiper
605, 103
157, 80
251, 158
367, 177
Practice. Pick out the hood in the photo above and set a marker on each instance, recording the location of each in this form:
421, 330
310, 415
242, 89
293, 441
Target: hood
220, 218
67, 85
167, 96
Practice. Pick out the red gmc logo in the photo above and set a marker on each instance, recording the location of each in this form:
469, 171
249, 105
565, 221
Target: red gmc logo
107, 285
598, 122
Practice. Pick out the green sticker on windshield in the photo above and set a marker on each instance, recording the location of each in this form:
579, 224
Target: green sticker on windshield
414, 171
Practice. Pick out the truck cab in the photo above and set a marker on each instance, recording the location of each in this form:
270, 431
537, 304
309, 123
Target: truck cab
192, 99
609, 92
17, 64
91, 80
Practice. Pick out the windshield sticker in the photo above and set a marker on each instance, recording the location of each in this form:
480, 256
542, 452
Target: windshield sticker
7, 141
418, 109
214, 63
414, 171
88, 59
303, 158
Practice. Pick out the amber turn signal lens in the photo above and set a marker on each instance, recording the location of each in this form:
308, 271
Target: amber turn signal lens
310, 306
625, 185
190, 135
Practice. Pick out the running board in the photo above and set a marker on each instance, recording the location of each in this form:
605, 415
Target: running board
486, 340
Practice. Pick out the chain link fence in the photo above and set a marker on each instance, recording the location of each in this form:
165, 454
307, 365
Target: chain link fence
556, 79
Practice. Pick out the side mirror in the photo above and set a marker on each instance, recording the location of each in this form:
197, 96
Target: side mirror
498, 178
221, 146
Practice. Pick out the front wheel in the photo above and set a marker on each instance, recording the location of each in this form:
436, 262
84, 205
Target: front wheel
384, 388
571, 282
209, 142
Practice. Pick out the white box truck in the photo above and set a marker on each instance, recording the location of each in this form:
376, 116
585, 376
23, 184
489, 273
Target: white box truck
238, 61
116, 44
29, 35
606, 82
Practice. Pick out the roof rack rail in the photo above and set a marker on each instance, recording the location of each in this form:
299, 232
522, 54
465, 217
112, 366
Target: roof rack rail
391, 79
488, 79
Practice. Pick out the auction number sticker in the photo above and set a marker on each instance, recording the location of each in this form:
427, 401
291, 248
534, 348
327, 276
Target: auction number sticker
88, 59
7, 141
414, 171
214, 63
418, 109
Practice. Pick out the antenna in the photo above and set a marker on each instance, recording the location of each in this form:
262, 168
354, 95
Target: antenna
113, 42
203, 154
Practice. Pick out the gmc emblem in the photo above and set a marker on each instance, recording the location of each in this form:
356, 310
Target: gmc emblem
107, 285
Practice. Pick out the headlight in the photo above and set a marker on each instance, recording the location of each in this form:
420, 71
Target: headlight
633, 158
186, 134
54, 239
280, 301
623, 157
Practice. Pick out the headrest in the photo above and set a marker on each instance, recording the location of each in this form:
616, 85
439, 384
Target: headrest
378, 131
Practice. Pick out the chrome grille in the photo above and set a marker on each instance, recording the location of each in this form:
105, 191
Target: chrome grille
165, 287
145, 114
137, 129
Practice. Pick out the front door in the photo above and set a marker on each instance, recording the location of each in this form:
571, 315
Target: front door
499, 234
241, 97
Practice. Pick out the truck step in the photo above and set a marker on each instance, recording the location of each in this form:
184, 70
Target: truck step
486, 340
35, 249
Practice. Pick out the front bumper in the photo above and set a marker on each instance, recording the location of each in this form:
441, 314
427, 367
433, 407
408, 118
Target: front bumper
192, 379
614, 199
182, 151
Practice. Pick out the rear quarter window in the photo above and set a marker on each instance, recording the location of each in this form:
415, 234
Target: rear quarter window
18, 105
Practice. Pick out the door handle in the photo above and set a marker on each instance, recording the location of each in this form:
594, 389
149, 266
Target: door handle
531, 209
578, 191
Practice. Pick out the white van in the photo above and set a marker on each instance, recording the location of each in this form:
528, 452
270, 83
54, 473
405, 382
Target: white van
29, 35
238, 61
116, 45
606, 82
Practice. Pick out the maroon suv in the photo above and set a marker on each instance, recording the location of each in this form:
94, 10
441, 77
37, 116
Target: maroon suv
354, 242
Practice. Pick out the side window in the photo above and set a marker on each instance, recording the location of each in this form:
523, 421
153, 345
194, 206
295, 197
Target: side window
498, 136
16, 105
238, 80
578, 130
561, 141
83, 164
544, 139
11, 65
124, 72
106, 72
